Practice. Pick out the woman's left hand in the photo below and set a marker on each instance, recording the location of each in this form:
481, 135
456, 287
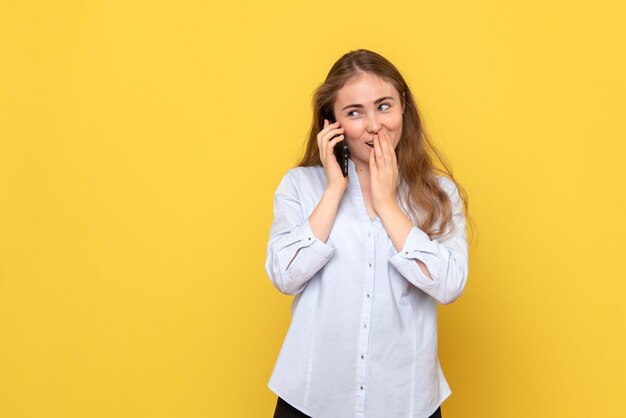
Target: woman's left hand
383, 172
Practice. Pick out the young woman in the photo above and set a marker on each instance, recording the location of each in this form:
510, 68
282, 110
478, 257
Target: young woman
367, 256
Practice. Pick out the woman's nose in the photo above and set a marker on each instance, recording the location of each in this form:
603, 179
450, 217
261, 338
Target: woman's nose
373, 124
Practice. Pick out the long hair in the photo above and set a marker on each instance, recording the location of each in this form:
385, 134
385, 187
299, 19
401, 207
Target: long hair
419, 187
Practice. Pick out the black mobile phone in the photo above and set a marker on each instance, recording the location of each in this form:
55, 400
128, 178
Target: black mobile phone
341, 149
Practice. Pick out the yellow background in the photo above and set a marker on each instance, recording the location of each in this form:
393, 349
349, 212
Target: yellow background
141, 144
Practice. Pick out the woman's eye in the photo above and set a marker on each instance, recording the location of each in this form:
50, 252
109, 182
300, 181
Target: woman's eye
385, 104
351, 113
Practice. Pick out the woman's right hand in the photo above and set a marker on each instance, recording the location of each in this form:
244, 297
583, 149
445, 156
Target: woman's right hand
334, 176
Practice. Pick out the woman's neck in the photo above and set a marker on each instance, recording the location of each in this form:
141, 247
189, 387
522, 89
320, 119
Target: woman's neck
362, 168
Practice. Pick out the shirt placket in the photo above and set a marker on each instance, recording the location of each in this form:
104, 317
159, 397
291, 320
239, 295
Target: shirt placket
366, 316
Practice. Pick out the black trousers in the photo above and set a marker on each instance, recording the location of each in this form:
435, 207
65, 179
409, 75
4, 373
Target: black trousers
284, 410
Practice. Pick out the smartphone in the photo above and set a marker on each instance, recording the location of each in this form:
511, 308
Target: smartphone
341, 149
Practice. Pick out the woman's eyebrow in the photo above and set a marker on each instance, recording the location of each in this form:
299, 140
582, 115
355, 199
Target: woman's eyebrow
376, 102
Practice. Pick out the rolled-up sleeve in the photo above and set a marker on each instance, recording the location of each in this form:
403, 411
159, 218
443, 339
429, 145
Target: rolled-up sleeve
294, 254
446, 260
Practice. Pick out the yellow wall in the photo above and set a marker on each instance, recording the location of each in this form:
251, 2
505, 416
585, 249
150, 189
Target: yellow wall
141, 144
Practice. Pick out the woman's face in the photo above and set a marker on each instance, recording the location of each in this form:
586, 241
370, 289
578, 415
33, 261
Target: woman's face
367, 105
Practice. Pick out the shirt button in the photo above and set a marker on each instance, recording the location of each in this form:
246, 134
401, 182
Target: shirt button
362, 356
367, 295
406, 252
309, 238
362, 387
370, 264
364, 325
369, 234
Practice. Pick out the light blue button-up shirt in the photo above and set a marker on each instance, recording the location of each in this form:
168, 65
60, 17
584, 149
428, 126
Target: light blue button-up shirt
363, 335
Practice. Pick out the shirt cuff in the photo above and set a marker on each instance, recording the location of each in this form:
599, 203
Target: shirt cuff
302, 237
325, 249
416, 247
